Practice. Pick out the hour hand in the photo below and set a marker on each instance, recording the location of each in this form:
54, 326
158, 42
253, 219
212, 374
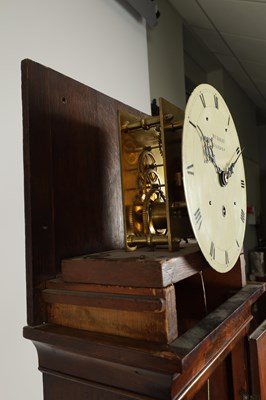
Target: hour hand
212, 156
208, 150
205, 143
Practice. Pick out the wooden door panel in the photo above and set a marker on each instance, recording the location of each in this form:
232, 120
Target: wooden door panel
257, 344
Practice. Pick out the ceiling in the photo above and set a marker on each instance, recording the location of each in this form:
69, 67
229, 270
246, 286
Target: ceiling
235, 32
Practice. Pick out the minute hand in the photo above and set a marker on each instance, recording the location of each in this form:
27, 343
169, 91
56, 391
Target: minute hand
230, 169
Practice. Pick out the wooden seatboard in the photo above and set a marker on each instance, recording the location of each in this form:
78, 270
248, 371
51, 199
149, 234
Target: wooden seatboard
151, 268
142, 268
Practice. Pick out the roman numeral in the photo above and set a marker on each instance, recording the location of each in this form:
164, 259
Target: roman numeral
242, 183
238, 150
242, 215
226, 257
212, 251
198, 218
190, 169
228, 122
202, 100
237, 243
216, 103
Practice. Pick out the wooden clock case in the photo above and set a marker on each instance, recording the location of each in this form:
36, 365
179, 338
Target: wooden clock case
108, 324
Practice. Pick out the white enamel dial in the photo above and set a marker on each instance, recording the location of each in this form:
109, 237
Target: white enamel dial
214, 178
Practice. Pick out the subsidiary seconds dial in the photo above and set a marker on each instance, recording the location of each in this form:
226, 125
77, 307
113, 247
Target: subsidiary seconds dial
214, 177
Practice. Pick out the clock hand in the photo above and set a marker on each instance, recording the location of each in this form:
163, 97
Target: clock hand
211, 155
225, 175
205, 144
230, 169
208, 150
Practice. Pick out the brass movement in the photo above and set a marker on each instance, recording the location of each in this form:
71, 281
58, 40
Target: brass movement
155, 210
